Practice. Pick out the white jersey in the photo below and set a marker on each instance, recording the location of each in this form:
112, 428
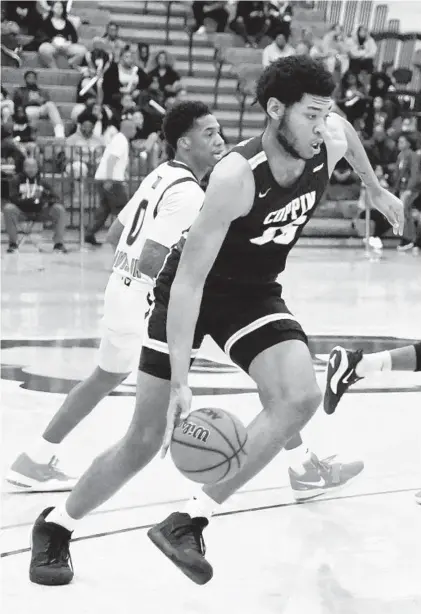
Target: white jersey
165, 204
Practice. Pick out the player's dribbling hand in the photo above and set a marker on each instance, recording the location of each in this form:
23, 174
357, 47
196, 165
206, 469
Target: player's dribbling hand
178, 409
392, 208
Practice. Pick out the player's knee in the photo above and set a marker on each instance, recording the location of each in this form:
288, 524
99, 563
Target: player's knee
146, 442
305, 401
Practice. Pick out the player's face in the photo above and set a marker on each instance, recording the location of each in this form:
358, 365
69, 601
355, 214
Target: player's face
302, 128
206, 143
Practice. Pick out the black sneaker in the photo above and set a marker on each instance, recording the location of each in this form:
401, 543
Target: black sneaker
340, 375
59, 247
91, 239
13, 247
50, 556
180, 538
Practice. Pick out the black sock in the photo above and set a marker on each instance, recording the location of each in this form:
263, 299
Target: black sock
417, 347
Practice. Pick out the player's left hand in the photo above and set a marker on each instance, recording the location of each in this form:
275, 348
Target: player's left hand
178, 409
391, 207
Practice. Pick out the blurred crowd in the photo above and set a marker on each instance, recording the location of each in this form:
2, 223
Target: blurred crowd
124, 90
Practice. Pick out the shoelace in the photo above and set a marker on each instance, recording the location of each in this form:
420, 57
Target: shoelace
58, 549
193, 537
53, 466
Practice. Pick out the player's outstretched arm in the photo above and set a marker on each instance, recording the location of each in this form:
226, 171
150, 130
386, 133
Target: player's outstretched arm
391, 207
230, 195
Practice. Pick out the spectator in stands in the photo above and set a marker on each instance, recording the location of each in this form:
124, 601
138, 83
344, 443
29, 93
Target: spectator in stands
10, 44
110, 177
132, 79
25, 15
61, 38
143, 53
280, 14
23, 132
251, 22
111, 41
12, 156
46, 5
30, 197
83, 148
97, 68
382, 151
164, 80
127, 107
106, 123
214, 10
7, 105
407, 186
146, 139
280, 48
37, 103
362, 51
302, 48
352, 100
336, 50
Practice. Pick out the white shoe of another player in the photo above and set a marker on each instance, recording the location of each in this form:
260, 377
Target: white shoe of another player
27, 475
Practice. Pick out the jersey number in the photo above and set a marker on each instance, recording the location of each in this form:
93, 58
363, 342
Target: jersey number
137, 222
282, 235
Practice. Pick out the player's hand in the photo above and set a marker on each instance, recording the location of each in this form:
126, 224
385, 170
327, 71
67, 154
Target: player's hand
391, 207
178, 409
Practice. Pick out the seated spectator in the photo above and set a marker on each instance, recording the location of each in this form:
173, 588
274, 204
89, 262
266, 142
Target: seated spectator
110, 41
280, 48
302, 48
381, 112
214, 10
30, 197
352, 100
164, 80
61, 38
336, 50
12, 157
251, 22
7, 105
37, 103
362, 51
143, 53
146, 140
45, 8
132, 79
380, 83
10, 44
407, 185
83, 148
110, 177
99, 80
106, 123
23, 132
280, 14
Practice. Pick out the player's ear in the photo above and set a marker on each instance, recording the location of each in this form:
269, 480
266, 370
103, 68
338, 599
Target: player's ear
275, 109
185, 142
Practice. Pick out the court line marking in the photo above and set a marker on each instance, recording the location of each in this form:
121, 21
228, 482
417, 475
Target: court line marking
228, 513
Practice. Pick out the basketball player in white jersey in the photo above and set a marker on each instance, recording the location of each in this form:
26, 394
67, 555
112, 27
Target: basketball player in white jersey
166, 203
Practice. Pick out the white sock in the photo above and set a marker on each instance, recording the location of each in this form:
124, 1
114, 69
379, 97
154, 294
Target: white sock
60, 516
201, 506
371, 363
297, 457
59, 131
43, 451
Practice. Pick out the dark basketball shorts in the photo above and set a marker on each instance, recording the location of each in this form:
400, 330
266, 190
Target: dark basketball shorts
243, 323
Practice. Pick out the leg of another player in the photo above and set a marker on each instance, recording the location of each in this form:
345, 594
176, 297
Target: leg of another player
38, 469
345, 367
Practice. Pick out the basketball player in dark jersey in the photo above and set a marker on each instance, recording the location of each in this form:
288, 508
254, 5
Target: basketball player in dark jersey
222, 280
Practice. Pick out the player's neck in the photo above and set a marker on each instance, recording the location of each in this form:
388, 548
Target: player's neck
285, 168
196, 169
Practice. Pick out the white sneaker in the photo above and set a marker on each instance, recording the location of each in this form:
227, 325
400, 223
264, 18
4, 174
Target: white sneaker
30, 476
375, 243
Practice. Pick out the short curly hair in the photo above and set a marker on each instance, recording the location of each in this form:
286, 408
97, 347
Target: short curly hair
180, 119
288, 79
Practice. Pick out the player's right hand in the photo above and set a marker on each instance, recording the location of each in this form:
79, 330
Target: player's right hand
178, 409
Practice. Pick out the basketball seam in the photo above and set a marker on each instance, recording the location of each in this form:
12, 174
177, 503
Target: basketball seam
238, 439
226, 458
220, 432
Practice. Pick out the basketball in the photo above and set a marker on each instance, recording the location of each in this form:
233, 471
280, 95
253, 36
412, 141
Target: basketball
210, 445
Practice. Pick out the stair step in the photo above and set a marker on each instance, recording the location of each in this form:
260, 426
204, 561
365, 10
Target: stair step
149, 22
138, 8
157, 37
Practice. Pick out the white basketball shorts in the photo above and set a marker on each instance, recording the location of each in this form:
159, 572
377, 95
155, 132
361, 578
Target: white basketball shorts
123, 322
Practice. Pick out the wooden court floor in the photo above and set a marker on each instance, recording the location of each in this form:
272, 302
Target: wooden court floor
357, 551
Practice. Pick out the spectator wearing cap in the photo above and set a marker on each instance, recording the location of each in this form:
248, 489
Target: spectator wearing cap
110, 177
30, 197
362, 51
280, 48
61, 37
37, 104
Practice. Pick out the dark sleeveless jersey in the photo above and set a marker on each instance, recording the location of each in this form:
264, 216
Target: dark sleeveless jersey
256, 246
